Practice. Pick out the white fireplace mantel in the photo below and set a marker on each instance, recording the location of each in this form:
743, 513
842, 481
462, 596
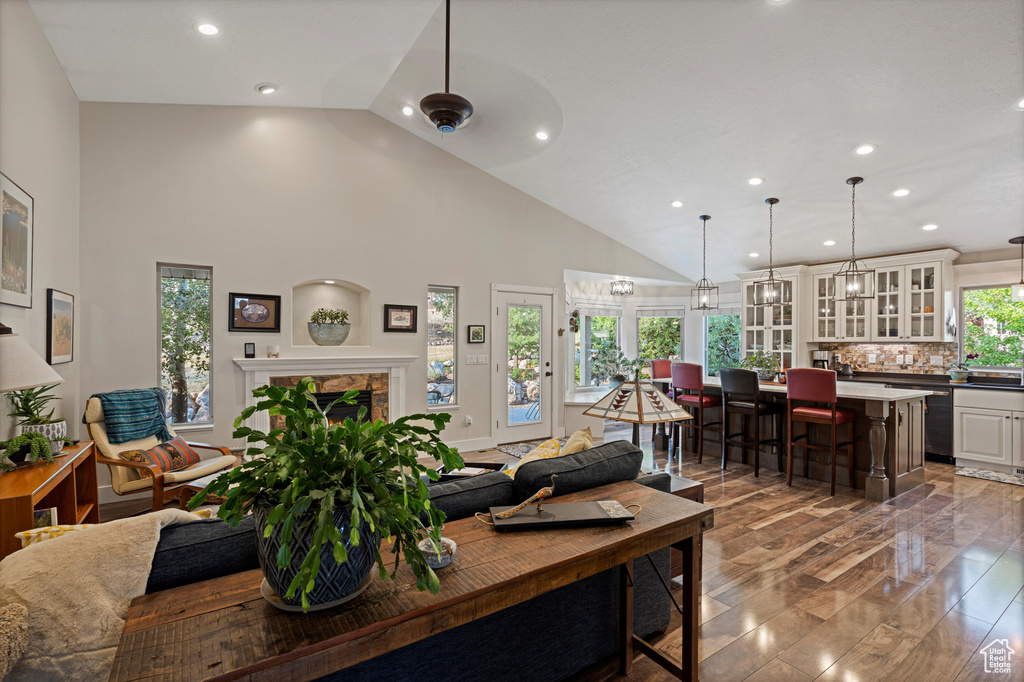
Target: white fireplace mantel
258, 372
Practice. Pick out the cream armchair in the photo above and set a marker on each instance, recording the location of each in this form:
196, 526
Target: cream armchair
127, 478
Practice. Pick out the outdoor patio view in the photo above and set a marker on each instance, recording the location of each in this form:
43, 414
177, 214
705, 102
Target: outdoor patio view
524, 386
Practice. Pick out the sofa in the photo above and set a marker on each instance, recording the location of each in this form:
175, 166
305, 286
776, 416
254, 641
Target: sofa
545, 638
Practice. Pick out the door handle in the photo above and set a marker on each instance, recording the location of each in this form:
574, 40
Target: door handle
547, 374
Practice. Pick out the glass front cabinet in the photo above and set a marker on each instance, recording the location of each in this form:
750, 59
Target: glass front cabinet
909, 303
888, 304
838, 320
771, 329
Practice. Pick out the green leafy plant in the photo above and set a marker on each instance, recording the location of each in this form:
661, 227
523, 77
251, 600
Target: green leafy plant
29, 405
310, 468
329, 316
39, 448
762, 362
612, 362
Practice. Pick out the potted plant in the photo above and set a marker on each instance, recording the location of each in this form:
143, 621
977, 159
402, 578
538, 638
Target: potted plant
324, 495
328, 327
959, 371
612, 363
30, 446
764, 363
30, 409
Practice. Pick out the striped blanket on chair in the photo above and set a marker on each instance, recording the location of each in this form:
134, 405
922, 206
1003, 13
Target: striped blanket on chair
134, 413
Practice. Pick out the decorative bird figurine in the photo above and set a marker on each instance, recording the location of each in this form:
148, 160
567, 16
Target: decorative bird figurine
538, 497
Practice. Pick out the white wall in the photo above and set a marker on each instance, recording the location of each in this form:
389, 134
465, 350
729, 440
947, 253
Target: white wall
39, 152
271, 197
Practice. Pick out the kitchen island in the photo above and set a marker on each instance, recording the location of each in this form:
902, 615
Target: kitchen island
888, 441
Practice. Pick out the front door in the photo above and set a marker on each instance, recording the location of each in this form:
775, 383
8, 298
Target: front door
523, 373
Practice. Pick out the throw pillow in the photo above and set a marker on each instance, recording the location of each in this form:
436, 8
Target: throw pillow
170, 455
578, 442
31, 537
13, 636
545, 450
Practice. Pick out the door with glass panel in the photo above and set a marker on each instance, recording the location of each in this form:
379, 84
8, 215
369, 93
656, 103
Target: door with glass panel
523, 385
888, 304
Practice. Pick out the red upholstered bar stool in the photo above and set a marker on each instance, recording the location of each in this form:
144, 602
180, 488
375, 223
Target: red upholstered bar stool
661, 369
816, 386
688, 387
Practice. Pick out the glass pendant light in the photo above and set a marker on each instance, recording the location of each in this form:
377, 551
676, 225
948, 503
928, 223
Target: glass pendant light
704, 296
622, 287
770, 289
1017, 290
854, 282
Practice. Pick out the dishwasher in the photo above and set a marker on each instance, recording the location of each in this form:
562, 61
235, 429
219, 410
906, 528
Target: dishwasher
938, 421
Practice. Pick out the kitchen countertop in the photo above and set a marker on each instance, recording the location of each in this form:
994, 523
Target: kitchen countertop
848, 389
937, 379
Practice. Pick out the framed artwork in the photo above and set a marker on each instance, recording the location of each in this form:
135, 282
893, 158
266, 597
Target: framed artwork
254, 313
250, 350
16, 233
476, 333
60, 327
400, 318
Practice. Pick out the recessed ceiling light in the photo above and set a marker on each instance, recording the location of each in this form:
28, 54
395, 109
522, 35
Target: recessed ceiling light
930, 227
777, 2
829, 242
407, 110
754, 254
1020, 104
328, 281
900, 192
755, 181
541, 135
266, 88
677, 204
864, 149
207, 29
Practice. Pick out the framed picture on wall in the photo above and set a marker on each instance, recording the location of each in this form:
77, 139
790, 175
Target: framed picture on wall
254, 313
475, 333
60, 327
400, 318
16, 234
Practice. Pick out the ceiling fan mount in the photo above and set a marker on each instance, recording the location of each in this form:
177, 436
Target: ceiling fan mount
446, 110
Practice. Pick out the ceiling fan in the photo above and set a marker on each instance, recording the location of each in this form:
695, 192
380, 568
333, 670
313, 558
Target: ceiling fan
446, 110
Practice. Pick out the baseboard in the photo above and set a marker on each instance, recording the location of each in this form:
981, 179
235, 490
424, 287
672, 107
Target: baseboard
107, 495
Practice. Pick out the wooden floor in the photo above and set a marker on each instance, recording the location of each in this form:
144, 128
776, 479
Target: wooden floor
800, 586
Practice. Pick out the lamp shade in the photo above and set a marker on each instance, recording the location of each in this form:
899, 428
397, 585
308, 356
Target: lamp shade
637, 402
20, 366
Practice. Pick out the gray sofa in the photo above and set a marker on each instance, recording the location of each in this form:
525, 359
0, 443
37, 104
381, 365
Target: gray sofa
545, 638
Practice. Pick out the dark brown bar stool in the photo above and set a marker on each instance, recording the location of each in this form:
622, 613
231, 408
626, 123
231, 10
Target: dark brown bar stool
816, 386
741, 395
687, 377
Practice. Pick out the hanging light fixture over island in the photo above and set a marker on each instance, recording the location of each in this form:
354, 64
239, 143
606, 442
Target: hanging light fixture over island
770, 289
854, 282
704, 296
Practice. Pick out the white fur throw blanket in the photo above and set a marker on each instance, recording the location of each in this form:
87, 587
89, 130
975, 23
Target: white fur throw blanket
77, 588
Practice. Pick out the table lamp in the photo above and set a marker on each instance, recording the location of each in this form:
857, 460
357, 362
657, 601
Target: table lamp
637, 402
20, 366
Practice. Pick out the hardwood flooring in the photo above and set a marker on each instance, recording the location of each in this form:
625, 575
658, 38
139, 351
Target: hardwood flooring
801, 586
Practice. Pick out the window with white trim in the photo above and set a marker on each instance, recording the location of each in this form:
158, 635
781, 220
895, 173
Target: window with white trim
659, 333
596, 345
722, 341
992, 328
185, 297
441, 345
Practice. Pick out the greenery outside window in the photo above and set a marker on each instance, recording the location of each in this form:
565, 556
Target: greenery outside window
992, 327
185, 296
721, 342
441, 345
596, 345
659, 336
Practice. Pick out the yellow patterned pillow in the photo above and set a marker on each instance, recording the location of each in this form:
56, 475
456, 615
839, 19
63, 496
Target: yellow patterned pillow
578, 442
31, 537
545, 450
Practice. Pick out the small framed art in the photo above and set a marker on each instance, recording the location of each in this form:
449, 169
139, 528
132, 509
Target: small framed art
16, 248
60, 327
254, 313
400, 318
475, 334
250, 350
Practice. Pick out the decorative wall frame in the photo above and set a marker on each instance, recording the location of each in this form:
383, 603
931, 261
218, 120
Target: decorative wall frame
476, 333
400, 318
254, 313
16, 236
60, 327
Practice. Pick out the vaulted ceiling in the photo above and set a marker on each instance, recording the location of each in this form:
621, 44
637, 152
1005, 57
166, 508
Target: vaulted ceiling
645, 102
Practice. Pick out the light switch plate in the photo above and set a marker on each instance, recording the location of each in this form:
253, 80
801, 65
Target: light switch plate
899, 359
909, 359
872, 358
936, 361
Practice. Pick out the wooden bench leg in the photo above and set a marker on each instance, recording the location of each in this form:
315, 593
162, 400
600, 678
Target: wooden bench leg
626, 618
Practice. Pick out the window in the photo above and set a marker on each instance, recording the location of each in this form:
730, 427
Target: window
721, 342
992, 328
185, 296
596, 349
659, 336
441, 363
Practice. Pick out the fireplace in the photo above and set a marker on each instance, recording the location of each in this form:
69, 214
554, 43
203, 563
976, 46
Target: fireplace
343, 411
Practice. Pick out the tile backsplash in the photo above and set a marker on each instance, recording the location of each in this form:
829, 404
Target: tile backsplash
885, 357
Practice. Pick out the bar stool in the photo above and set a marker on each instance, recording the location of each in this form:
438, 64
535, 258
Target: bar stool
816, 386
688, 377
660, 369
741, 395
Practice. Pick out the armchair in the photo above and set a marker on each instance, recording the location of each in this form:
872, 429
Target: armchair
127, 478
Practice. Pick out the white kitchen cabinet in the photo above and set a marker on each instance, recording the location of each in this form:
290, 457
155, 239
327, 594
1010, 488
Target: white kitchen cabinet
771, 329
985, 435
826, 323
888, 304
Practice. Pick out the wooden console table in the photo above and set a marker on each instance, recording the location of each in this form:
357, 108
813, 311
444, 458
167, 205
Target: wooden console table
69, 484
222, 629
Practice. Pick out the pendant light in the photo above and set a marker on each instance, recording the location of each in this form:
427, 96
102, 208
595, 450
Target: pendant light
622, 287
1017, 290
446, 110
770, 289
854, 282
704, 296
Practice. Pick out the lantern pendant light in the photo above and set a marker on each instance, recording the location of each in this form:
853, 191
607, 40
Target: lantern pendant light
770, 289
854, 282
704, 296
1017, 290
